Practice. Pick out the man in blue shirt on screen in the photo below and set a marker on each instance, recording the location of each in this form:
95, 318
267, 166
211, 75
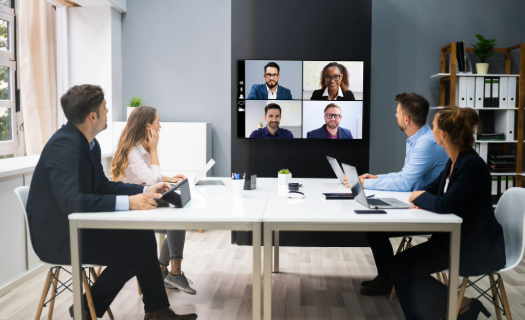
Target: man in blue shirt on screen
272, 116
424, 159
271, 89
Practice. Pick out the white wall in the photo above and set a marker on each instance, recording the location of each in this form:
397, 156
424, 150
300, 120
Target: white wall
96, 58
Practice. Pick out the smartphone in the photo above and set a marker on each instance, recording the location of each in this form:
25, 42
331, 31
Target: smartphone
370, 211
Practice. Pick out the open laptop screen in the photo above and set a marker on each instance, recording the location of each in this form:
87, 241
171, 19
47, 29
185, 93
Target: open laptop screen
353, 181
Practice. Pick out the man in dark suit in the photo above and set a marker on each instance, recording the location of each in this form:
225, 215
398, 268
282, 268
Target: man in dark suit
69, 178
331, 129
271, 89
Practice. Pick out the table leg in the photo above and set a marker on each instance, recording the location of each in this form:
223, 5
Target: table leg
256, 288
276, 251
267, 276
455, 242
76, 268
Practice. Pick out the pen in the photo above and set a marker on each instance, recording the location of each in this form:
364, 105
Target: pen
238, 176
370, 196
244, 175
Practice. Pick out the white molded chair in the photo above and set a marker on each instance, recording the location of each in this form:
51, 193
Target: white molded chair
54, 272
510, 213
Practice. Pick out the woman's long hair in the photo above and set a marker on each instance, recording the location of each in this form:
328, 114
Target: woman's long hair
345, 81
134, 134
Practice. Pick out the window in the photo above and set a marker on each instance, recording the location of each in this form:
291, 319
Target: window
8, 132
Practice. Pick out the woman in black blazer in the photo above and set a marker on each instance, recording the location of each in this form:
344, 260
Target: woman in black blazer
334, 84
464, 189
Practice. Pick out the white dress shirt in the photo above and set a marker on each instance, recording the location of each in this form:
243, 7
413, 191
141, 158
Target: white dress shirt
272, 96
140, 170
339, 93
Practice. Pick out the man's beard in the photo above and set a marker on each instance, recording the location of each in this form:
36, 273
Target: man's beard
401, 128
275, 125
332, 125
272, 86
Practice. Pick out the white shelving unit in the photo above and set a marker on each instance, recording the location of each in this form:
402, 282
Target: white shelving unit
444, 75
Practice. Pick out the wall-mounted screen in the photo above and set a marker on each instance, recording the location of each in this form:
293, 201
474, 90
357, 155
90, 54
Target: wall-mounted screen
288, 99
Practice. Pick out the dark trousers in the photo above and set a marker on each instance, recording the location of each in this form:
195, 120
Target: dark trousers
421, 296
126, 253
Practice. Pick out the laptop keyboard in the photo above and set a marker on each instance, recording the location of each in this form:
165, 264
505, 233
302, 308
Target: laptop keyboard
377, 202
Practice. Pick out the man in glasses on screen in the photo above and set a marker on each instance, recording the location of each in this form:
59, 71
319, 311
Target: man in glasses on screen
272, 116
331, 128
271, 89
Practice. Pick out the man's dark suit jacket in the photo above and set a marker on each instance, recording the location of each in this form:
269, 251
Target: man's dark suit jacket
260, 92
322, 133
318, 95
68, 178
468, 196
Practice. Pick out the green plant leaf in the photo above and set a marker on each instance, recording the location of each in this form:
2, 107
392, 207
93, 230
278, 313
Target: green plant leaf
284, 171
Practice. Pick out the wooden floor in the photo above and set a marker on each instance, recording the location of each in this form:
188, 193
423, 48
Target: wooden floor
314, 283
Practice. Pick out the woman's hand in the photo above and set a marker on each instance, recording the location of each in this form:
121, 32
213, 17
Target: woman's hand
413, 197
153, 139
175, 179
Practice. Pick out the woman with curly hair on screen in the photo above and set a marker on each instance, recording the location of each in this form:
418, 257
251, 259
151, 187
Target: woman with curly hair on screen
334, 81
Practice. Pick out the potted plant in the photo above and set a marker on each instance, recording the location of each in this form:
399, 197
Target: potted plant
260, 125
284, 176
484, 50
132, 104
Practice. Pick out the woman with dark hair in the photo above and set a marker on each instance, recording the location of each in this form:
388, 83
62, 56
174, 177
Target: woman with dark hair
136, 161
334, 82
464, 189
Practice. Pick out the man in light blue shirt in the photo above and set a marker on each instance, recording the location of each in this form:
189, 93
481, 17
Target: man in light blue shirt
424, 159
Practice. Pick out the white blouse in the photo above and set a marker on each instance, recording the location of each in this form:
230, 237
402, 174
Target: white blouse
446, 186
140, 170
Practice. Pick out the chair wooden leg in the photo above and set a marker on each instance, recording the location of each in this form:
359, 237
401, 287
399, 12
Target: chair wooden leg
95, 278
506, 306
89, 298
438, 276
47, 284
138, 288
495, 299
53, 294
445, 278
99, 270
462, 293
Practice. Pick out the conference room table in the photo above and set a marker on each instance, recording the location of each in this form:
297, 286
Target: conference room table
313, 213
211, 207
268, 207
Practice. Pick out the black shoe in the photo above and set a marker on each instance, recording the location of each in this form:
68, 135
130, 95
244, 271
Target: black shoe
476, 307
86, 316
379, 287
366, 283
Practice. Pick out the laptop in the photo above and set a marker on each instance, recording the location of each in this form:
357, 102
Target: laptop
197, 180
372, 203
337, 168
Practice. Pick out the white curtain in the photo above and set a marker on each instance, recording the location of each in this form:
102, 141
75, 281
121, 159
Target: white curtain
38, 79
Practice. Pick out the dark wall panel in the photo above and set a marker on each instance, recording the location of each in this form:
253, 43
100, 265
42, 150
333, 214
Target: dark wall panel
301, 30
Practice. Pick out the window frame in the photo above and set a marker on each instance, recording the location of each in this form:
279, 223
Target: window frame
10, 146
10, 55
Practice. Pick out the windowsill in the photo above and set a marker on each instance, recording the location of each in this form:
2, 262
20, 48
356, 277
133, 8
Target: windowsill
20, 165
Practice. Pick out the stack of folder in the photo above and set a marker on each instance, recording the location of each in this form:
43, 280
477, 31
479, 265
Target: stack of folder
486, 92
491, 136
502, 163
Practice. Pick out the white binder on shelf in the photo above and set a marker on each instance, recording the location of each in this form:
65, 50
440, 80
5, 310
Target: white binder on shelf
504, 122
471, 91
512, 93
503, 91
479, 92
483, 150
461, 92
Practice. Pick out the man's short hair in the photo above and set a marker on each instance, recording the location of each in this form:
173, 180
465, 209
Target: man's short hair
272, 106
79, 101
332, 105
272, 65
415, 106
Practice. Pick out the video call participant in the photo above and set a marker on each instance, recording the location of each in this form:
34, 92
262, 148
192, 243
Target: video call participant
424, 159
136, 161
272, 116
334, 83
464, 189
271, 90
331, 129
69, 178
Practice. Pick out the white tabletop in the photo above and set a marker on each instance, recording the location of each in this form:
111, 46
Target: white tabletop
314, 209
208, 204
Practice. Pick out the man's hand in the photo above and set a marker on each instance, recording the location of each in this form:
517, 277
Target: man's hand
160, 187
413, 197
143, 201
366, 176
